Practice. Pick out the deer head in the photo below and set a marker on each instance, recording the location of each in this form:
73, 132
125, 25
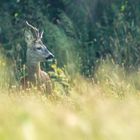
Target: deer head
36, 50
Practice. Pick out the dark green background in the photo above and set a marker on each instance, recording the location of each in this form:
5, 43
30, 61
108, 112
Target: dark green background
79, 31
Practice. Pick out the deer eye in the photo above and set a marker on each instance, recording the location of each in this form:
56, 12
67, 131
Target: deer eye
38, 48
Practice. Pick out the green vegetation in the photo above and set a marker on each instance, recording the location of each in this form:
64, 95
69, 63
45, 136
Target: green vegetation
75, 30
95, 74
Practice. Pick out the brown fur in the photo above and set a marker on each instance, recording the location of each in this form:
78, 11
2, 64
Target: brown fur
40, 79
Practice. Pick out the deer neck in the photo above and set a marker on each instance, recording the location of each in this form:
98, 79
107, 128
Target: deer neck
33, 70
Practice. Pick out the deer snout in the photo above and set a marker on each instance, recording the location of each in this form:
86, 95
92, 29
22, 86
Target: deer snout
50, 56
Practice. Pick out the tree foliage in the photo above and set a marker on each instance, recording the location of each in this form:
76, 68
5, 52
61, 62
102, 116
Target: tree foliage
76, 30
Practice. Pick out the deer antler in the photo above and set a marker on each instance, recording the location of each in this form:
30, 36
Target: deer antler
41, 35
34, 28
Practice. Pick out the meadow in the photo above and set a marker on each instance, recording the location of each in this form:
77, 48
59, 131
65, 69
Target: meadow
95, 74
103, 108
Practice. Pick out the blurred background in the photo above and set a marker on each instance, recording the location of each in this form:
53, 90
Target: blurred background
78, 32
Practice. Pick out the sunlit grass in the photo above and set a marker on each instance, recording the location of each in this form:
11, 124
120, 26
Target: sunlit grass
103, 109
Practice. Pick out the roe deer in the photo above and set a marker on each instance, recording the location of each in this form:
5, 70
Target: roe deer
36, 52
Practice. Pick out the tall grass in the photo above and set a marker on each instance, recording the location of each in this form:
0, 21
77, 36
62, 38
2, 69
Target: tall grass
103, 108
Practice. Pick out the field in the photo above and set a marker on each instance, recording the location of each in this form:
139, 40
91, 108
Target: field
102, 109
95, 72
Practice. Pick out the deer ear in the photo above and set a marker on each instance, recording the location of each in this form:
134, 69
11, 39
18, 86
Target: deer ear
28, 37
